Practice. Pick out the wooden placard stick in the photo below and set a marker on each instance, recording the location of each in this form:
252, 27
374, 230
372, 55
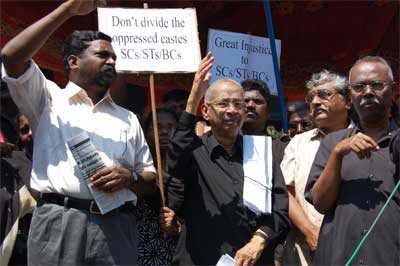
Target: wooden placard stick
156, 139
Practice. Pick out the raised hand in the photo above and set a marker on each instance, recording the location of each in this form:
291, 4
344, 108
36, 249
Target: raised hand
203, 76
200, 83
83, 7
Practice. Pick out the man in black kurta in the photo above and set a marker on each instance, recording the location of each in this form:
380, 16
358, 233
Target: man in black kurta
353, 175
216, 220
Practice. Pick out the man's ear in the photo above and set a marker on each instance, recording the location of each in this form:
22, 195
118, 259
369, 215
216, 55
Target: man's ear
73, 61
349, 104
204, 112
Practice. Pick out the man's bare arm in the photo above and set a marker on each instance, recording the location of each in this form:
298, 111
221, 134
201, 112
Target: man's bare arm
18, 51
299, 218
200, 83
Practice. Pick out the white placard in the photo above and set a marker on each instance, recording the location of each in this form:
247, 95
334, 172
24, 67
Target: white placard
152, 40
257, 170
241, 56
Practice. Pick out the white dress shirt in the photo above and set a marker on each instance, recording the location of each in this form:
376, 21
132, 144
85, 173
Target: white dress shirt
56, 115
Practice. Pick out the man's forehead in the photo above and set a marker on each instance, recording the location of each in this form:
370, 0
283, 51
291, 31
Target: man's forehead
326, 86
366, 70
253, 93
226, 89
100, 45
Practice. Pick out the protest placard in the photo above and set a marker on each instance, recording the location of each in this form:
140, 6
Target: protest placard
152, 40
241, 56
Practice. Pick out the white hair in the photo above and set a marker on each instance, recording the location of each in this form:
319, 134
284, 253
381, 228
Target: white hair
340, 82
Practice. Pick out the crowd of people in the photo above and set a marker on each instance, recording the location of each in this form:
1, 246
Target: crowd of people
335, 176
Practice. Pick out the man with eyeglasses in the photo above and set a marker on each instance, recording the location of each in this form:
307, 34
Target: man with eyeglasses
353, 175
329, 105
211, 167
299, 118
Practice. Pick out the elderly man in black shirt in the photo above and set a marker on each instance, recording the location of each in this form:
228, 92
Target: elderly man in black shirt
352, 176
216, 220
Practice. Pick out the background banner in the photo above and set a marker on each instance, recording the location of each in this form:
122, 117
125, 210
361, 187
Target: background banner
152, 40
241, 56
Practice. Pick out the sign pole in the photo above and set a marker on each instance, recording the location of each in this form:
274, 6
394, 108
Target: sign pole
156, 139
271, 37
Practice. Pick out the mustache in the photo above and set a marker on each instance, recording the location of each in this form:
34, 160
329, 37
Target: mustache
320, 108
108, 69
251, 111
369, 100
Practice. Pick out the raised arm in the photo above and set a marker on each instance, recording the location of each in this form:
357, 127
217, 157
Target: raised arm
200, 84
18, 51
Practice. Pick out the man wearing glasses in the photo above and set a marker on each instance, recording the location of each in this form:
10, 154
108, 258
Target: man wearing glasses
329, 105
299, 118
211, 167
353, 175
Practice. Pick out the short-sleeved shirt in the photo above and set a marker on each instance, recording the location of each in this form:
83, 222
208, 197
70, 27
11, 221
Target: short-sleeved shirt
56, 115
296, 164
366, 184
216, 219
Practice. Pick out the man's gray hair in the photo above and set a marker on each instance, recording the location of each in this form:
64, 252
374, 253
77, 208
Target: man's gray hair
208, 96
339, 81
374, 58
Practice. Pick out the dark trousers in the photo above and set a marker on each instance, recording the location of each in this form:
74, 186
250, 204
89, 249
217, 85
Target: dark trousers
67, 236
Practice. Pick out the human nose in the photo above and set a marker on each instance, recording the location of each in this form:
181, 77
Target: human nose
368, 89
250, 104
299, 128
111, 61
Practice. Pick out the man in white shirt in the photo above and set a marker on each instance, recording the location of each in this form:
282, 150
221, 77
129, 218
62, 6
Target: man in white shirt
67, 227
329, 105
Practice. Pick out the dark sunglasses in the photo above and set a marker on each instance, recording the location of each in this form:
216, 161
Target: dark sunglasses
374, 85
322, 94
24, 130
303, 123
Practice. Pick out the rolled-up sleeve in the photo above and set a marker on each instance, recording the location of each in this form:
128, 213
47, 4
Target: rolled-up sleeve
288, 163
30, 92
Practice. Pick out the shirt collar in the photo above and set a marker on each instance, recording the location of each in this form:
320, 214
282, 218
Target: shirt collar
72, 89
320, 133
214, 146
386, 136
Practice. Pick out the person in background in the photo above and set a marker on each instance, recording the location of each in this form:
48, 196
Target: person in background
176, 100
329, 105
352, 176
257, 100
299, 118
157, 242
21, 159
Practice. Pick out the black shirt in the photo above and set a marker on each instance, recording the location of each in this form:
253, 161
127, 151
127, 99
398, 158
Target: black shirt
395, 151
366, 184
216, 220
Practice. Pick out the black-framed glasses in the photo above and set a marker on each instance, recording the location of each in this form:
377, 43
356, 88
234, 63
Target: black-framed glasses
303, 123
374, 85
324, 95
